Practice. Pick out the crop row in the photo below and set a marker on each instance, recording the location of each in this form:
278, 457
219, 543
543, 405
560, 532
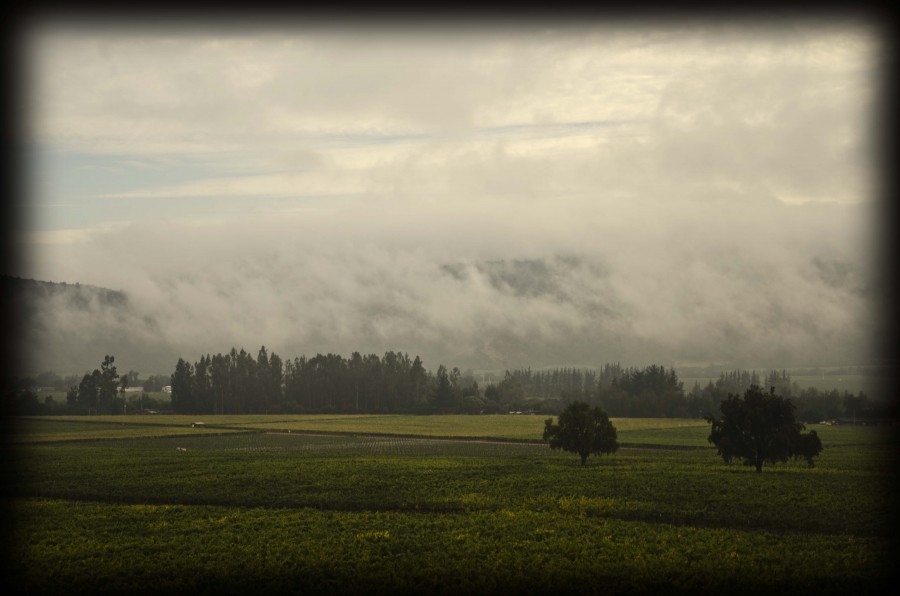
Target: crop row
143, 549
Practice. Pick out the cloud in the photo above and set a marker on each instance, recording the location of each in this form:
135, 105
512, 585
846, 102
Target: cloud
715, 286
482, 198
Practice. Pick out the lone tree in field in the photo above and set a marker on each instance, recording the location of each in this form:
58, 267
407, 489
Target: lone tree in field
760, 428
582, 430
810, 447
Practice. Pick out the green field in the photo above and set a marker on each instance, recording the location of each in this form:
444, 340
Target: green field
386, 504
501, 426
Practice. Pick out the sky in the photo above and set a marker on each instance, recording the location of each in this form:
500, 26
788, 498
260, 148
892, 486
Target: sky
526, 195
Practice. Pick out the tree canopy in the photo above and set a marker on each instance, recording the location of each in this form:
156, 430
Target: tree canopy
582, 430
242, 382
97, 391
760, 428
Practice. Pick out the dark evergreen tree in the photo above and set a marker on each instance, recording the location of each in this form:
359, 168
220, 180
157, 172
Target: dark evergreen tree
72, 397
418, 378
89, 392
219, 379
109, 385
183, 388
443, 395
512, 393
202, 391
275, 381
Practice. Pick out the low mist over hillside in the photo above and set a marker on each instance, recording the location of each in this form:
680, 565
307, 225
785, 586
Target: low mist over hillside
68, 328
575, 310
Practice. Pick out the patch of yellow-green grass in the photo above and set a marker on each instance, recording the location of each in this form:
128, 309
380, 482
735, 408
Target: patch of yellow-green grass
49, 429
501, 426
497, 426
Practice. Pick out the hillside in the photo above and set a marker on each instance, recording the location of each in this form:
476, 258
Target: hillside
68, 328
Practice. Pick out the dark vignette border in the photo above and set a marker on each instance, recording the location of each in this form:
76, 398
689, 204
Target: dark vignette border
19, 21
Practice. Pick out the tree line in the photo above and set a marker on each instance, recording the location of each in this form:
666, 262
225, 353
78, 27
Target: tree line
237, 382
654, 392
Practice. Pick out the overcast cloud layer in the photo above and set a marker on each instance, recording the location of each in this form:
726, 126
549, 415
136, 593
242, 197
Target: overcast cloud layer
513, 197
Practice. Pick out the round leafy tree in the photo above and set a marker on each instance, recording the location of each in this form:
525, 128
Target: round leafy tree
582, 430
760, 428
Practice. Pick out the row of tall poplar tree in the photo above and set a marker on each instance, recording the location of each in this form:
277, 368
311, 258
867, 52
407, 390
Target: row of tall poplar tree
238, 383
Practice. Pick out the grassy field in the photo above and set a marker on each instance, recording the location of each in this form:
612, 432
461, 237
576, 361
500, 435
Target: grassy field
500, 426
150, 505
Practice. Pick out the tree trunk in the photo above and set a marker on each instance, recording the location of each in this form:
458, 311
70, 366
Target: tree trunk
584, 457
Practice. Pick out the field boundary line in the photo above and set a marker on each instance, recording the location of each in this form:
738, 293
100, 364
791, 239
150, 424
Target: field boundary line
375, 434
18, 444
466, 439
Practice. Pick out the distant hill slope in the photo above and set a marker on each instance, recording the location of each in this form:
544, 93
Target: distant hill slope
69, 328
28, 294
